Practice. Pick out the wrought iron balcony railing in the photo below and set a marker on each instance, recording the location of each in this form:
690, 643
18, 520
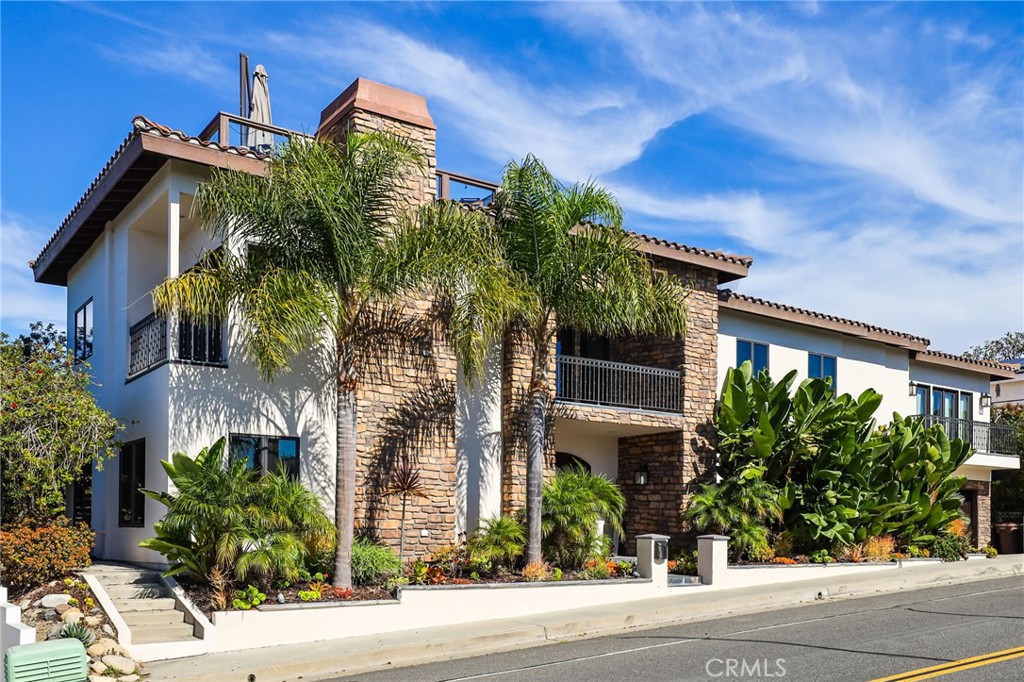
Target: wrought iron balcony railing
149, 344
617, 384
982, 436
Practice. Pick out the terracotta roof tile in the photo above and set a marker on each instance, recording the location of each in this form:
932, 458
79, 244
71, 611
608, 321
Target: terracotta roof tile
970, 361
745, 261
142, 125
728, 294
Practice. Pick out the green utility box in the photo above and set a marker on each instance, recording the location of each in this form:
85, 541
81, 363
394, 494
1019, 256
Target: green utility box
62, 660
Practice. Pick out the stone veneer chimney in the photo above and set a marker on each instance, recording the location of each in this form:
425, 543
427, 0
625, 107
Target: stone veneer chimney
367, 106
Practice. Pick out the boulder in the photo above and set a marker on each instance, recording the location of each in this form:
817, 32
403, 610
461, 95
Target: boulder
52, 601
108, 630
123, 666
103, 647
129, 678
55, 632
71, 616
61, 609
98, 667
101, 678
49, 614
92, 621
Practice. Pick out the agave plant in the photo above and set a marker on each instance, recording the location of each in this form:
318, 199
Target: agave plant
78, 631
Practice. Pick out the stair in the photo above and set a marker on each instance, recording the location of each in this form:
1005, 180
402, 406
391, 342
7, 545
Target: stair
145, 604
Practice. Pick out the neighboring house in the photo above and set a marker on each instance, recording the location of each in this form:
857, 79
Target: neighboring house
947, 389
639, 410
1010, 391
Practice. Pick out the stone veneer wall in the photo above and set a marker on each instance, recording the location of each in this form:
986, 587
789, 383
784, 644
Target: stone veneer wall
983, 498
407, 397
676, 461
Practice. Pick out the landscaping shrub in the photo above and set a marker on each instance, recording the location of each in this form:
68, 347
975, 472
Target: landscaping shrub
879, 548
500, 540
837, 480
34, 556
537, 572
953, 543
227, 517
373, 564
571, 504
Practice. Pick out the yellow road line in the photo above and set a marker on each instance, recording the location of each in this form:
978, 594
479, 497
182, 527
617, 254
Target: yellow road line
955, 666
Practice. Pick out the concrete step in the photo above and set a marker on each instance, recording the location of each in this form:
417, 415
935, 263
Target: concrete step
130, 605
136, 591
124, 576
163, 633
146, 618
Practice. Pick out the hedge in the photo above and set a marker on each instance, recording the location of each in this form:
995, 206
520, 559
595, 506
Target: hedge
31, 557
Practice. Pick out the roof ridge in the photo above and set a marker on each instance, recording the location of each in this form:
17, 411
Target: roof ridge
717, 254
725, 294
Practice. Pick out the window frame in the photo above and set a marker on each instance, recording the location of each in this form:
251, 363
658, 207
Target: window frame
822, 358
753, 354
84, 345
263, 449
931, 392
133, 452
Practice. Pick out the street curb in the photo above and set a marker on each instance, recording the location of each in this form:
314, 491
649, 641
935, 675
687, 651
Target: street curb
365, 654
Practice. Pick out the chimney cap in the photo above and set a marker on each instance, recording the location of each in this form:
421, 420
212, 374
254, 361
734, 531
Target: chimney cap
380, 99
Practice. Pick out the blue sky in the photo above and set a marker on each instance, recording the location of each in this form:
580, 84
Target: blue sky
869, 156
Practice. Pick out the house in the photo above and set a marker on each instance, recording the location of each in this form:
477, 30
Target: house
639, 410
1010, 391
945, 389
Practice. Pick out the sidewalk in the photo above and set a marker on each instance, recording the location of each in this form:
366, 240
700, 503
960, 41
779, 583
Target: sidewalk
331, 658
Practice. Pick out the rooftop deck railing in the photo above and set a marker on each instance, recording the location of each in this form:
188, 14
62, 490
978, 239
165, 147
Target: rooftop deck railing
982, 436
464, 189
237, 131
617, 384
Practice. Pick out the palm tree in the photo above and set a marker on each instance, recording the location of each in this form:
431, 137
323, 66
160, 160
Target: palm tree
575, 264
572, 503
312, 250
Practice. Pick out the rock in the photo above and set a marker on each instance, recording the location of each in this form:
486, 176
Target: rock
25, 603
61, 609
98, 667
101, 678
95, 611
107, 629
92, 621
52, 601
129, 678
55, 632
103, 647
49, 614
124, 666
71, 616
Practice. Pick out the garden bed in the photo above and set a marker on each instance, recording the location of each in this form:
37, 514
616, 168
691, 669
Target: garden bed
48, 621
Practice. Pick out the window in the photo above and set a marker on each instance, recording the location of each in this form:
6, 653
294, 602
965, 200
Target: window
83, 331
757, 353
266, 453
944, 402
131, 501
822, 367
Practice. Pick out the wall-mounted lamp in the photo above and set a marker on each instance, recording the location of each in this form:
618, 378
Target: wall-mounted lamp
986, 401
641, 475
913, 389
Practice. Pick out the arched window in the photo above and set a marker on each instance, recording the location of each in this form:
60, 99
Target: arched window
565, 461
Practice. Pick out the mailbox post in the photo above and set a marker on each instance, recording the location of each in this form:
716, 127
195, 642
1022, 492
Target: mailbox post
652, 558
712, 558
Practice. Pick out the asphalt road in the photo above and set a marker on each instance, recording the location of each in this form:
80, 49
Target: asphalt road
855, 639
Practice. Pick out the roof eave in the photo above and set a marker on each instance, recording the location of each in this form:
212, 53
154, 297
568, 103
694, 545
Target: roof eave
966, 364
837, 326
727, 271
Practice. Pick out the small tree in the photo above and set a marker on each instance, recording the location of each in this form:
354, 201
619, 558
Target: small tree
405, 483
50, 424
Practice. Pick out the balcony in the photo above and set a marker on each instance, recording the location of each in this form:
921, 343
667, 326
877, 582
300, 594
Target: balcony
150, 346
982, 436
616, 384
238, 131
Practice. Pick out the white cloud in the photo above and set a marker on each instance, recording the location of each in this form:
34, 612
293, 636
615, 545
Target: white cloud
22, 300
184, 60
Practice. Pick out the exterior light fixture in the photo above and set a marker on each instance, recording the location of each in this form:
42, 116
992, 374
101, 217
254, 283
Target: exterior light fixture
986, 400
913, 389
641, 475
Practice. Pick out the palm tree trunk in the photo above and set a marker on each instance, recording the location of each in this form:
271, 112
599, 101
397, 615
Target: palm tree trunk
345, 492
536, 423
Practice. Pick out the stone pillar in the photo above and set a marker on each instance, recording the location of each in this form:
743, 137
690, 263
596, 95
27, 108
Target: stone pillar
678, 460
367, 106
712, 558
652, 558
